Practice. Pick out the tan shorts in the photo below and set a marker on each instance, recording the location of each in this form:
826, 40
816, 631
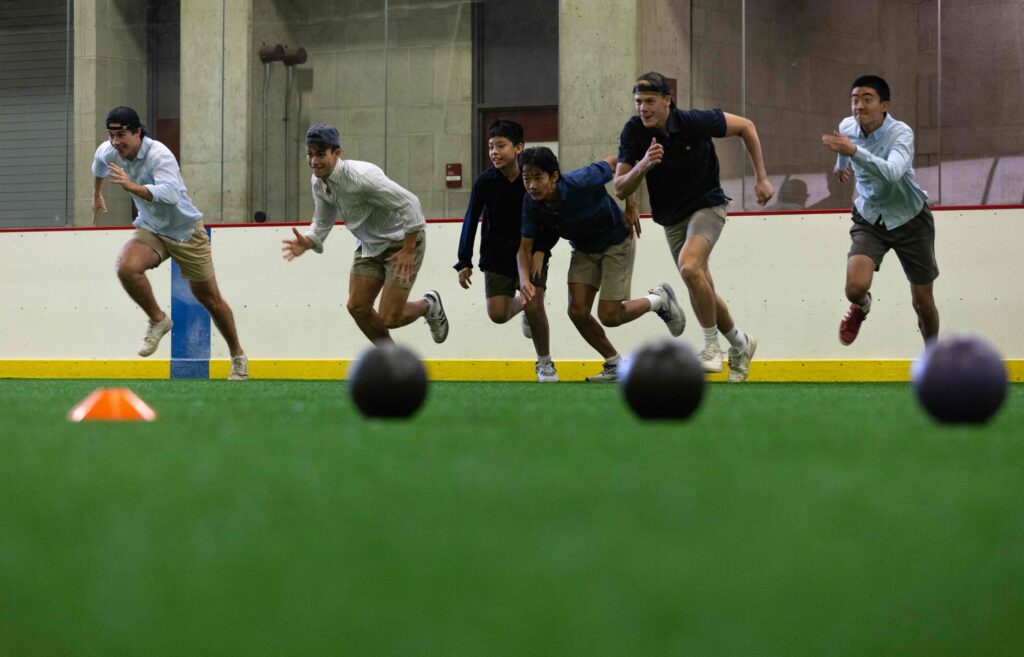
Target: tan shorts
707, 222
610, 272
381, 268
194, 257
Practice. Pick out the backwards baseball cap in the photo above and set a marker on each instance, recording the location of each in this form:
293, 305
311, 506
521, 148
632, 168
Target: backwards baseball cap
123, 118
652, 83
322, 134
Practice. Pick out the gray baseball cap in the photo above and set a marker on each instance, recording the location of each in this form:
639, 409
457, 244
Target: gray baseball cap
323, 134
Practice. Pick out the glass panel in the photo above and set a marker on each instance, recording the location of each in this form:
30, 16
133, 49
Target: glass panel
429, 101
982, 138
36, 187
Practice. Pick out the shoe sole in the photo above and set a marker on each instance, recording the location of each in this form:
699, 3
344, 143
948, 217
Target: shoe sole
672, 299
440, 304
753, 350
711, 370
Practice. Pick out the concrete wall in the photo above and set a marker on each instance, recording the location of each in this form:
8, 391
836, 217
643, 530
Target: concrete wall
110, 70
216, 154
405, 107
781, 274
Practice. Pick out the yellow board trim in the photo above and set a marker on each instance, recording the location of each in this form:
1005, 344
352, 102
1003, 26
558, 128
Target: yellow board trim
462, 370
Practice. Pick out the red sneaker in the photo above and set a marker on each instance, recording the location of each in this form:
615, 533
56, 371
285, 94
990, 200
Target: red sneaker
850, 326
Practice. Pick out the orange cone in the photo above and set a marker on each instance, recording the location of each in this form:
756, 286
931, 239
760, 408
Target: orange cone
112, 404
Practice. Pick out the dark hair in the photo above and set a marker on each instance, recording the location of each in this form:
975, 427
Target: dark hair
653, 82
873, 82
540, 157
510, 130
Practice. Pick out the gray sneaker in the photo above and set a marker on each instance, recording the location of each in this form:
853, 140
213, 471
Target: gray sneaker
711, 358
527, 333
609, 374
436, 319
154, 333
546, 372
671, 312
239, 368
739, 361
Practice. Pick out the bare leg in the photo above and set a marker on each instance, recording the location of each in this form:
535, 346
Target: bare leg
581, 300
132, 262
927, 313
693, 267
501, 308
362, 292
537, 317
860, 270
617, 313
208, 294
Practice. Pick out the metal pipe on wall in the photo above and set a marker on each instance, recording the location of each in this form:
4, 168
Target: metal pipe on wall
268, 55
292, 57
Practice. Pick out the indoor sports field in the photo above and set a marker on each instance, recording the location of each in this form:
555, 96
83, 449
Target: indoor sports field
508, 519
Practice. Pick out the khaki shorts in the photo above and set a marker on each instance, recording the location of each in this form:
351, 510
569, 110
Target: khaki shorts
707, 222
381, 268
610, 272
914, 243
194, 257
499, 285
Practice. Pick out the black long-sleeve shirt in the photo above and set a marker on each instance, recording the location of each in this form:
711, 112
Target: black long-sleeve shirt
500, 201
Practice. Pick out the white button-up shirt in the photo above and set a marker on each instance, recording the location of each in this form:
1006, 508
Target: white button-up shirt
171, 212
883, 166
375, 209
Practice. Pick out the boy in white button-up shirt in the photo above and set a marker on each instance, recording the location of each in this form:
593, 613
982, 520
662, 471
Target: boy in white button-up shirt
388, 223
167, 226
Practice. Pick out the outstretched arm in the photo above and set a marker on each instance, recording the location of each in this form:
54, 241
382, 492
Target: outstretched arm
97, 199
745, 129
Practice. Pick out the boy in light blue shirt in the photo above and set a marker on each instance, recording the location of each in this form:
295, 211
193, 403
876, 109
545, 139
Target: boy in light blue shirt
891, 211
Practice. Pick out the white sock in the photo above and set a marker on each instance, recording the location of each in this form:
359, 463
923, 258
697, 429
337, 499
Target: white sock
657, 302
710, 335
737, 338
544, 360
613, 360
867, 306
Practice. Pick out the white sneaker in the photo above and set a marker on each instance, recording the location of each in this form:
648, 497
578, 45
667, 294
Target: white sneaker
671, 312
527, 333
608, 374
239, 368
154, 333
739, 361
711, 358
546, 372
435, 317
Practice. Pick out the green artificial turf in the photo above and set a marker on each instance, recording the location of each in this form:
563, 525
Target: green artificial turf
269, 518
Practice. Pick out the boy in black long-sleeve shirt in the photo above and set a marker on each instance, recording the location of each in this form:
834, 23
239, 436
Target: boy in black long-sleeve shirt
498, 195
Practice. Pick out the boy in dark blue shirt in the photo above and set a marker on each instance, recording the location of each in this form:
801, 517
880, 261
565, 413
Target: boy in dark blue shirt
578, 206
498, 195
673, 150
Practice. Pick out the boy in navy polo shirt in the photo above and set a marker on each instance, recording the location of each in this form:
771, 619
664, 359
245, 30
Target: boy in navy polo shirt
498, 195
603, 251
673, 150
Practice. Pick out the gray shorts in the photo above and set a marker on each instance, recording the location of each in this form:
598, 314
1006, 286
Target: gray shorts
381, 268
611, 271
706, 222
914, 243
499, 285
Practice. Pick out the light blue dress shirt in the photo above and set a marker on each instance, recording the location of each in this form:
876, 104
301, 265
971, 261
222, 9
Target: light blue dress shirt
883, 166
171, 212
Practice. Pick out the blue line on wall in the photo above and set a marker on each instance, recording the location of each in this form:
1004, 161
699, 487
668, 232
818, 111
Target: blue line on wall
190, 339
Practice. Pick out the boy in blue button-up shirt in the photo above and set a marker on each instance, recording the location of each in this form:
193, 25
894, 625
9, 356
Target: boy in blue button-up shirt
890, 213
579, 208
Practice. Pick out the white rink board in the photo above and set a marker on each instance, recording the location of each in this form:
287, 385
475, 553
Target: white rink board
781, 274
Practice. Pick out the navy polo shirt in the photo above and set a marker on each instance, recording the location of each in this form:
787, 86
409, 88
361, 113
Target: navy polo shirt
586, 215
500, 201
687, 178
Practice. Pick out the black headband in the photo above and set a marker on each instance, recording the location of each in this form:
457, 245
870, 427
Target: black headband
654, 88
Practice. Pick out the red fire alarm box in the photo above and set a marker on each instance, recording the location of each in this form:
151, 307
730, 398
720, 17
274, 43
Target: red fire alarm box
453, 175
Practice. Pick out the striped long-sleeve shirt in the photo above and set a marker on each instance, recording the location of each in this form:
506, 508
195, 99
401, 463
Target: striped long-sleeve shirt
375, 209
